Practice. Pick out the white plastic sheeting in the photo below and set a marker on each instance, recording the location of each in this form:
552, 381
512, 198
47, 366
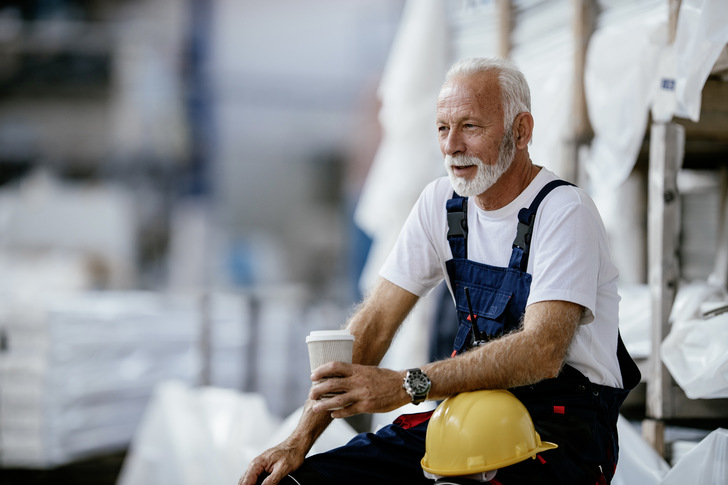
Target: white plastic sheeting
638, 461
692, 296
629, 60
701, 35
620, 72
207, 436
696, 349
635, 319
195, 437
706, 464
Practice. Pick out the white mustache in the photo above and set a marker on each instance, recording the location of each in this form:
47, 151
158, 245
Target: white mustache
462, 160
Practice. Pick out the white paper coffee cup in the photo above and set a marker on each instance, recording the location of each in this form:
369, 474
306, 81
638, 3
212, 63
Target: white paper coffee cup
329, 346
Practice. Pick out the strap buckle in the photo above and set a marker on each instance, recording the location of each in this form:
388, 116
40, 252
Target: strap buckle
457, 224
524, 231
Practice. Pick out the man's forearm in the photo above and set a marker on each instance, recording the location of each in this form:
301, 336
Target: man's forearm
310, 426
525, 357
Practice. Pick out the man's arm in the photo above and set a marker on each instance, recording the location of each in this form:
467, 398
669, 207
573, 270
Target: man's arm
374, 325
377, 320
534, 353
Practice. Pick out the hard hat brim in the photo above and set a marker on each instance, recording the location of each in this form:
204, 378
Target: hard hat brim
544, 446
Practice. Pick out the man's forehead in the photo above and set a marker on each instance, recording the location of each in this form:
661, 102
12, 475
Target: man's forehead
476, 91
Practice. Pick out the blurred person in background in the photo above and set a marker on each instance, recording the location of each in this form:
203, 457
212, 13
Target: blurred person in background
526, 260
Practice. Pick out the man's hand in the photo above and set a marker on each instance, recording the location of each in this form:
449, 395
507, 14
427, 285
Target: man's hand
279, 461
363, 388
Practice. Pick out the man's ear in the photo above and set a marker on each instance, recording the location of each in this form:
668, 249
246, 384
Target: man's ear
523, 129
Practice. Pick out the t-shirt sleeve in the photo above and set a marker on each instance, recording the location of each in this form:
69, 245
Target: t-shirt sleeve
565, 255
414, 263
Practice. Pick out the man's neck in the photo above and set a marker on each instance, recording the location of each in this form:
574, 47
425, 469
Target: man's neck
514, 181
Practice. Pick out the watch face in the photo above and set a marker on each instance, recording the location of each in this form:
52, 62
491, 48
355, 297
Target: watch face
417, 385
419, 382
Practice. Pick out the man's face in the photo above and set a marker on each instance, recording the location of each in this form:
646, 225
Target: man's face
471, 133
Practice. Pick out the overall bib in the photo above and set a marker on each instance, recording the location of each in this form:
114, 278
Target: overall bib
568, 410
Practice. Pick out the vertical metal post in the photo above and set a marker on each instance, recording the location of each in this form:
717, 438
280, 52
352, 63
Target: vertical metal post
667, 146
505, 27
205, 339
251, 364
584, 14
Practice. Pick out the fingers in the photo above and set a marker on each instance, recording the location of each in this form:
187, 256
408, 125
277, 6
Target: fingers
279, 471
361, 389
274, 464
333, 385
338, 369
254, 470
347, 411
330, 404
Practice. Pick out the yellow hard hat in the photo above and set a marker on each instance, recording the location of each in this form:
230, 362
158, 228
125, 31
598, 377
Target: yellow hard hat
479, 431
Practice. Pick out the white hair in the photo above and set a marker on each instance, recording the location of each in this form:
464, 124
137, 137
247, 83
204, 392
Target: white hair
515, 94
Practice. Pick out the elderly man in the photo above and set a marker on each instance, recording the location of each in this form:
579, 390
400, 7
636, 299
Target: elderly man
526, 259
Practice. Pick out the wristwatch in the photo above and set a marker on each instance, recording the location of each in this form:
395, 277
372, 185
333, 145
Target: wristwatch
417, 385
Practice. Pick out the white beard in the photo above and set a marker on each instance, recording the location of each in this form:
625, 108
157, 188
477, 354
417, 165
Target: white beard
485, 175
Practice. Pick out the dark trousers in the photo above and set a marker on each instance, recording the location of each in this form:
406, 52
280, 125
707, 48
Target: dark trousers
392, 456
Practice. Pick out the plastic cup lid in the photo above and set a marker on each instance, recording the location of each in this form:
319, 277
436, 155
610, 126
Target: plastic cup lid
320, 335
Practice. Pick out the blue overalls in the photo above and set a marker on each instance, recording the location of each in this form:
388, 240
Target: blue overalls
568, 410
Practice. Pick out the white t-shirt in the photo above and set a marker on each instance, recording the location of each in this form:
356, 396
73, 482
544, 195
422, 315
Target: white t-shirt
569, 261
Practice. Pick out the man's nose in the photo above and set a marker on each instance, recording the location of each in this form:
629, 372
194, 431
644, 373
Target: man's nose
453, 143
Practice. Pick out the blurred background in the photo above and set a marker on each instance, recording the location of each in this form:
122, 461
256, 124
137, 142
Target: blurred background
189, 187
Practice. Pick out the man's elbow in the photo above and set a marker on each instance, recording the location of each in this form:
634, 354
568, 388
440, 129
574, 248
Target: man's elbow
551, 365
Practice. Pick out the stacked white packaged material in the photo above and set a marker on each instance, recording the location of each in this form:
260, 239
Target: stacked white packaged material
77, 371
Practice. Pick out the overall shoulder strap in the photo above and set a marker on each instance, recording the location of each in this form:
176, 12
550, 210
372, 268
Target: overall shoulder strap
457, 225
526, 218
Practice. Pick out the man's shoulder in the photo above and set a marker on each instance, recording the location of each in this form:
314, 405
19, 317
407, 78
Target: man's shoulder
560, 196
568, 199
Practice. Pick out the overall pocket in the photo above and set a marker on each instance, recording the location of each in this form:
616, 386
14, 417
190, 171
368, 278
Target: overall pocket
489, 310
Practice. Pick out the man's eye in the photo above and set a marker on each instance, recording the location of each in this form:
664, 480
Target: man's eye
442, 128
